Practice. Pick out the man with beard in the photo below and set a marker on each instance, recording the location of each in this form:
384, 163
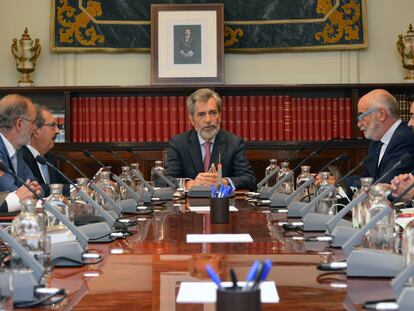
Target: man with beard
378, 118
43, 140
17, 123
191, 155
403, 181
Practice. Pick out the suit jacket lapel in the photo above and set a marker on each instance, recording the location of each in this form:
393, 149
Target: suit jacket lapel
195, 152
390, 146
7, 154
32, 163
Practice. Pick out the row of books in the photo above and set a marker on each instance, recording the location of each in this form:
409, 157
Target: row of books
255, 118
404, 103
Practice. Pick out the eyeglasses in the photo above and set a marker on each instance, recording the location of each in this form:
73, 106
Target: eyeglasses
361, 116
31, 121
51, 125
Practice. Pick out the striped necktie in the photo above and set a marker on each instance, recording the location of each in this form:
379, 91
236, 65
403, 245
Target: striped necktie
207, 156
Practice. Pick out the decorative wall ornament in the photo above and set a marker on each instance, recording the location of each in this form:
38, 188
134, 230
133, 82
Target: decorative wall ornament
405, 46
25, 54
108, 26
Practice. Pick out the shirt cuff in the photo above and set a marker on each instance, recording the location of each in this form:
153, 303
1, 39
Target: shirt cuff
13, 202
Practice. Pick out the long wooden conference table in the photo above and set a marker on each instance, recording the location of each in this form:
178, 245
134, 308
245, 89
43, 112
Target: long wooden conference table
144, 270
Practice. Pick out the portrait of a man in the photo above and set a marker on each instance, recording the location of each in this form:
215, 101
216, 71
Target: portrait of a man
187, 44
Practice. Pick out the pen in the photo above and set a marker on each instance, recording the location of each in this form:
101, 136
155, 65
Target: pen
213, 275
258, 276
213, 191
252, 273
233, 277
267, 266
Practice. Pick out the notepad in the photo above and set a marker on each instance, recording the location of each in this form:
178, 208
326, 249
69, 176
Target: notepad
219, 238
207, 208
205, 292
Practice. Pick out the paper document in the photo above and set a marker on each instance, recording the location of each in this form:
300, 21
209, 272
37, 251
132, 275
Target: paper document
219, 238
403, 221
205, 292
207, 208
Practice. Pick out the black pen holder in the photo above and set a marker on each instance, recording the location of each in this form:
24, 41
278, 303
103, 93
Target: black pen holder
231, 298
219, 210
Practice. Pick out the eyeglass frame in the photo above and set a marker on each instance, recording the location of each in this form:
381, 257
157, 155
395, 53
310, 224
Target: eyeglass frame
51, 125
361, 116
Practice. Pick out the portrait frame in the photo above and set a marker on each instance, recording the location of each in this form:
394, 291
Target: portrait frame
178, 55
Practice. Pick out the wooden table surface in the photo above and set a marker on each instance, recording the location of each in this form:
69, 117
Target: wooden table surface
144, 271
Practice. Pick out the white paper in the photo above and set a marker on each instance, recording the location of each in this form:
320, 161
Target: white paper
403, 221
207, 208
205, 292
219, 238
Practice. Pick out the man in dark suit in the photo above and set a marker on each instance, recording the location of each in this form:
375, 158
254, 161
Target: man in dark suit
43, 140
191, 155
378, 119
17, 123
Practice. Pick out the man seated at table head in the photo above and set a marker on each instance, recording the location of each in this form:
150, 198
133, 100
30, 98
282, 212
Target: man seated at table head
42, 141
191, 155
379, 120
17, 123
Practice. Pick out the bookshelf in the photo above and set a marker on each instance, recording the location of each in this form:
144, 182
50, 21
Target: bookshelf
259, 149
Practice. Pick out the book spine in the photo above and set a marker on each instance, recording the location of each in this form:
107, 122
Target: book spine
267, 118
99, 119
348, 118
86, 120
324, 122
260, 118
149, 119
238, 116
317, 119
106, 119
92, 120
305, 118
273, 118
230, 114
287, 111
118, 109
280, 118
224, 113
245, 117
311, 121
125, 119
341, 118
133, 124
165, 102
335, 118
173, 116
74, 125
253, 118
300, 118
294, 119
158, 118
141, 115
182, 115
329, 118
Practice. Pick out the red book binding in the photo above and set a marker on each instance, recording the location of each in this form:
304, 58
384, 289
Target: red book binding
267, 118
112, 118
316, 119
149, 119
158, 124
133, 124
74, 124
287, 111
173, 115
280, 118
260, 118
230, 114
305, 118
141, 115
311, 121
182, 114
273, 118
245, 117
165, 118
329, 118
106, 107
299, 117
125, 119
93, 120
224, 112
99, 119
118, 122
335, 118
238, 116
253, 118
348, 118
86, 120
294, 119
341, 118
324, 122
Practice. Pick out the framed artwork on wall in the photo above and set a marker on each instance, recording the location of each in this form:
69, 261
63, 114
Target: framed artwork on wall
187, 44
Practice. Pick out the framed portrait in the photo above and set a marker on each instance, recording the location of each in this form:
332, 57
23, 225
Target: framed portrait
187, 44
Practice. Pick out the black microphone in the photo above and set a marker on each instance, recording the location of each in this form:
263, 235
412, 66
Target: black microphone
108, 218
91, 156
276, 170
267, 193
67, 249
342, 157
109, 149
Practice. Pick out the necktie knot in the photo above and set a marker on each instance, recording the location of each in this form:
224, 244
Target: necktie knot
207, 156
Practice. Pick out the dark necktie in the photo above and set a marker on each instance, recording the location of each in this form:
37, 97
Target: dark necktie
377, 154
207, 156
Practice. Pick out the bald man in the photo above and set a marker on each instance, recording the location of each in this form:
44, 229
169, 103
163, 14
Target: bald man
379, 120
